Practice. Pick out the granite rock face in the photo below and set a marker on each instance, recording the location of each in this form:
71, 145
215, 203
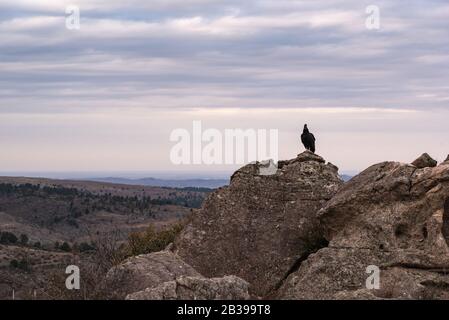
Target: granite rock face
196, 288
261, 226
392, 216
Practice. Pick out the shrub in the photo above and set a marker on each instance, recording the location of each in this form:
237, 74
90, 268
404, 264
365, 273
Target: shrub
24, 239
84, 247
94, 285
65, 247
22, 264
152, 240
14, 264
73, 223
8, 238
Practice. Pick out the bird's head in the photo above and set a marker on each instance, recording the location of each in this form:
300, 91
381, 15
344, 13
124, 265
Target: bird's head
305, 128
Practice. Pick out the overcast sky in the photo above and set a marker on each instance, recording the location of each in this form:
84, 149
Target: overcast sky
107, 96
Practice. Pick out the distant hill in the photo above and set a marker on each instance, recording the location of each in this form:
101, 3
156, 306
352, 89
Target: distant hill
46, 224
153, 182
49, 210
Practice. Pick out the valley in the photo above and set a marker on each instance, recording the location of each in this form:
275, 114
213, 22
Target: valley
46, 224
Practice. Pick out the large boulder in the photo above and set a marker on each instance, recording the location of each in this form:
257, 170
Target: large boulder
196, 288
392, 216
148, 271
261, 226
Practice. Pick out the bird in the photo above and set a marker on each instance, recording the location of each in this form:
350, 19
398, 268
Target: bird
308, 139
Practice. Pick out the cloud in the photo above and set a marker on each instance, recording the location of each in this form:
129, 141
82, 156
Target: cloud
284, 53
181, 56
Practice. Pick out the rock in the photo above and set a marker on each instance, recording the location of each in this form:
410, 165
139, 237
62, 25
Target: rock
164, 291
393, 216
302, 157
333, 167
196, 288
261, 226
424, 161
148, 270
267, 168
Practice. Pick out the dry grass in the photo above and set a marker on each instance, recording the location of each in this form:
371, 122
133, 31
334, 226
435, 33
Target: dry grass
110, 251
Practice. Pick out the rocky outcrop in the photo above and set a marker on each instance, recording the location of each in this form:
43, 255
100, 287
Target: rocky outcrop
148, 271
196, 288
163, 275
393, 216
261, 226
296, 232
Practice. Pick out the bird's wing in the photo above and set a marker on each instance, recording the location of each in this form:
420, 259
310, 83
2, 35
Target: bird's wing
313, 137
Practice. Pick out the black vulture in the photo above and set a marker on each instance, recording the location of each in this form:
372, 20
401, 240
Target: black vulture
308, 139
